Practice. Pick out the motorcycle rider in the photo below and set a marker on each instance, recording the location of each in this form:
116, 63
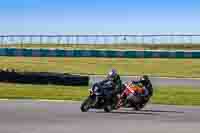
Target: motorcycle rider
116, 82
144, 80
146, 85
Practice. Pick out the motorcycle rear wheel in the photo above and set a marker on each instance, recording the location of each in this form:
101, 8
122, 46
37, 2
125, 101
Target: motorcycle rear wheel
138, 107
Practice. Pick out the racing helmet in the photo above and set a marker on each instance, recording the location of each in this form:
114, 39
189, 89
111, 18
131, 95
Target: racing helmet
112, 75
144, 79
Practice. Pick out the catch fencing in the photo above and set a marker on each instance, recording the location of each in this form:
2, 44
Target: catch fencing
24, 40
49, 46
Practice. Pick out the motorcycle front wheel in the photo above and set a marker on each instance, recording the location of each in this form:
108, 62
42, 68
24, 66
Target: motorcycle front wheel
85, 106
108, 108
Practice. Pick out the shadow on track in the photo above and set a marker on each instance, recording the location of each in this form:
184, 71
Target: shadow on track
155, 111
130, 113
163, 111
141, 112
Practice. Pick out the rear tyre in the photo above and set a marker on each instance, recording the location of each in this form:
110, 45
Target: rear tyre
135, 102
137, 107
85, 106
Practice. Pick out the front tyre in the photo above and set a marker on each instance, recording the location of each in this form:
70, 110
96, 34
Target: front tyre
85, 106
108, 108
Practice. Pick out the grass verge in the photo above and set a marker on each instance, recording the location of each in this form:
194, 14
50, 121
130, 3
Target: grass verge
177, 95
155, 67
125, 46
163, 95
51, 92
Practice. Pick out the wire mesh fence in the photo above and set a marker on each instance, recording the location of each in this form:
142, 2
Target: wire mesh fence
76, 41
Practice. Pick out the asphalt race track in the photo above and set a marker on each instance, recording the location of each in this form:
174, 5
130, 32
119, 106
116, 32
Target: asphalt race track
157, 81
64, 117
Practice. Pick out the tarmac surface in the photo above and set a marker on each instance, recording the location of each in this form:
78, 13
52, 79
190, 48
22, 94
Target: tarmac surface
27, 116
156, 81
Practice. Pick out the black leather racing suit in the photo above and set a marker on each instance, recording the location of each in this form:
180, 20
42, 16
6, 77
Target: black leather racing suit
111, 95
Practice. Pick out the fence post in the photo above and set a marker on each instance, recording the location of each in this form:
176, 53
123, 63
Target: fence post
2, 38
58, 41
31, 40
21, 41
191, 39
77, 39
152, 40
115, 40
142, 40
67, 41
40, 37
104, 40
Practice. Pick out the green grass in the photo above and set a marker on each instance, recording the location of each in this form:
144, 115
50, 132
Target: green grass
155, 67
20, 91
177, 95
187, 46
163, 95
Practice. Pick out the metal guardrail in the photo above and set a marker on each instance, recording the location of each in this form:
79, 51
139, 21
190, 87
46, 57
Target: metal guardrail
22, 40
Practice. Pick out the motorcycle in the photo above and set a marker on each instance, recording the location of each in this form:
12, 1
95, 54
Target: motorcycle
97, 98
129, 96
